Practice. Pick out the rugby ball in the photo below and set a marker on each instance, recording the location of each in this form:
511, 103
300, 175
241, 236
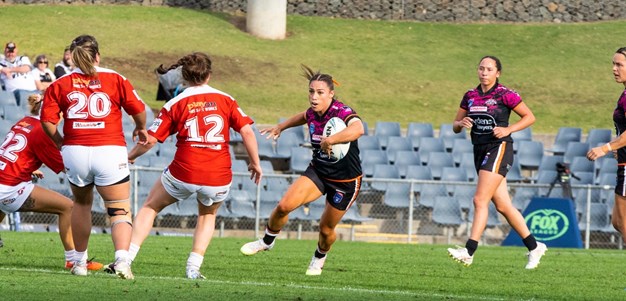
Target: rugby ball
333, 126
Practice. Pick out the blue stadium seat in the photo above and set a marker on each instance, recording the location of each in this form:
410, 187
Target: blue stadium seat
404, 159
598, 136
575, 149
395, 144
428, 145
530, 154
447, 135
385, 129
300, 159
437, 161
563, 137
371, 158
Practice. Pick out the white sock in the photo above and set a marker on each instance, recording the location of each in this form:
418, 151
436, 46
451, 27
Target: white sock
194, 261
69, 255
132, 251
81, 257
121, 255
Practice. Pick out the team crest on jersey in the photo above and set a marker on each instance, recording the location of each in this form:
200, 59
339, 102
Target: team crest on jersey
24, 125
338, 197
155, 124
311, 129
491, 102
8, 201
210, 106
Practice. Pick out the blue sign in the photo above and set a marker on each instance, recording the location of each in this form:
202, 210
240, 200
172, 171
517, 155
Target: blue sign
552, 221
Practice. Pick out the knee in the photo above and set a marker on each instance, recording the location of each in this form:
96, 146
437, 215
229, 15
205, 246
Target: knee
282, 209
326, 231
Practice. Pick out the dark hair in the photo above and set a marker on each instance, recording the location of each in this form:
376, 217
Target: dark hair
84, 50
40, 57
318, 76
622, 51
196, 68
498, 64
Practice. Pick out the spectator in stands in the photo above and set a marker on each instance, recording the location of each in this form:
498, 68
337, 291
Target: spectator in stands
618, 217
65, 66
42, 74
25, 148
339, 180
201, 117
94, 148
485, 110
15, 72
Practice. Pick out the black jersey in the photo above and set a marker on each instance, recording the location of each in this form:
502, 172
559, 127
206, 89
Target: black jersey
489, 110
347, 168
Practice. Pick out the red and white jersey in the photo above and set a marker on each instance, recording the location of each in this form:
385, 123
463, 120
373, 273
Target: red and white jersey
91, 107
24, 149
200, 117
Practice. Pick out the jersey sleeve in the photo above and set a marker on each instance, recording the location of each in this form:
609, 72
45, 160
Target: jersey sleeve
238, 118
161, 126
132, 102
50, 109
511, 99
48, 152
465, 102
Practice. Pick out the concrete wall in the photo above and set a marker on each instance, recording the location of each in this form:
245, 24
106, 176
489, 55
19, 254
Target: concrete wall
418, 10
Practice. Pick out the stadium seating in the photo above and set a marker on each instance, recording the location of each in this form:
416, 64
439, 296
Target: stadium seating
404, 159
428, 145
563, 137
530, 154
598, 136
385, 129
299, 159
395, 144
575, 149
447, 135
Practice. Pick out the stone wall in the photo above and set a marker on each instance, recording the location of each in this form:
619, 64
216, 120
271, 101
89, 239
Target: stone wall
418, 10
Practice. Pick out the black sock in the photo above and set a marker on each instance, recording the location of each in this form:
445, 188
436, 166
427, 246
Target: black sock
471, 246
530, 242
269, 236
319, 253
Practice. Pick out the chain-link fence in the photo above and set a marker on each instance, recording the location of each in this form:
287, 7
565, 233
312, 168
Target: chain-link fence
387, 210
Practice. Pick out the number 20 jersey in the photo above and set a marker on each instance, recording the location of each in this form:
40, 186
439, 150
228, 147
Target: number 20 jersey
201, 117
91, 107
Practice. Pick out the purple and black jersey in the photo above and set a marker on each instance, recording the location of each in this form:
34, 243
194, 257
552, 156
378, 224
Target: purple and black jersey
619, 119
347, 168
489, 110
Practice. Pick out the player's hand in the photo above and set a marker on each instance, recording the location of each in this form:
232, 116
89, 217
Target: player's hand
273, 132
38, 174
501, 132
255, 172
596, 152
140, 136
466, 122
325, 145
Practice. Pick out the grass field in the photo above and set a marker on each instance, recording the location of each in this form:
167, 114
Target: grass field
30, 269
389, 71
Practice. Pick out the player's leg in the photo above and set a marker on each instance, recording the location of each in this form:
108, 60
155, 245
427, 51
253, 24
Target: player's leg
48, 201
618, 218
157, 199
304, 190
201, 239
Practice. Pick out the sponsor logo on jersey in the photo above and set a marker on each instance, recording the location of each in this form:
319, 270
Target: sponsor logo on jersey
88, 125
95, 84
478, 109
25, 126
79, 82
122, 166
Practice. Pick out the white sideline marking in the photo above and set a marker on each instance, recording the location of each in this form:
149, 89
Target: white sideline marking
288, 285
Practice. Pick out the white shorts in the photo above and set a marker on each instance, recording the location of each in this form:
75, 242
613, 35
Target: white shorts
100, 165
13, 197
207, 195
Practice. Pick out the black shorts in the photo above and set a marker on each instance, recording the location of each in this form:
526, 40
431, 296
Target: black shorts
339, 193
620, 186
494, 157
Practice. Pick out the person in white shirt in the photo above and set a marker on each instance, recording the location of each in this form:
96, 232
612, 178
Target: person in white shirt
15, 72
42, 74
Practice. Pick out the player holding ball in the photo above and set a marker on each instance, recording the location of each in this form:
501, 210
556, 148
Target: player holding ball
337, 178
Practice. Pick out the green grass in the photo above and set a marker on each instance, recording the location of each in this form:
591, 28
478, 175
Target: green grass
389, 71
31, 269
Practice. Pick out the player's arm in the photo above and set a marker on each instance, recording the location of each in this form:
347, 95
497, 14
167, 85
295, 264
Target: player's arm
295, 120
140, 134
611, 146
2, 215
53, 132
526, 120
353, 131
140, 149
461, 121
249, 142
